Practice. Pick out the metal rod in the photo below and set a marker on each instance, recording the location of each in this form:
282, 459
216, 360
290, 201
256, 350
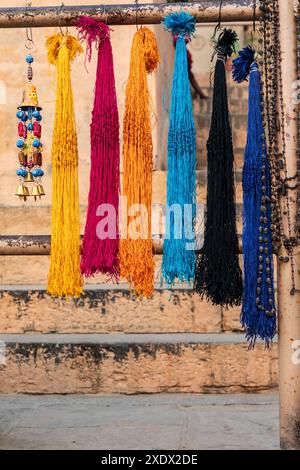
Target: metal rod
205, 11
289, 305
37, 245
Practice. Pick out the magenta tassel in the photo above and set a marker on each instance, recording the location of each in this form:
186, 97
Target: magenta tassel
100, 255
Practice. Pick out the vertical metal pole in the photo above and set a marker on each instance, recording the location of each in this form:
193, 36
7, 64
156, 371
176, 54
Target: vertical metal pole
289, 305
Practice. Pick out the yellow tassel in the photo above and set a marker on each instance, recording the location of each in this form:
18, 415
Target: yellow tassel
64, 275
136, 253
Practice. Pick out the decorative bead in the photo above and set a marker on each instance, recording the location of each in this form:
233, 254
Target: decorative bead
37, 129
24, 117
20, 114
260, 268
30, 126
36, 143
36, 114
29, 59
259, 280
37, 172
30, 164
21, 172
268, 280
21, 129
20, 143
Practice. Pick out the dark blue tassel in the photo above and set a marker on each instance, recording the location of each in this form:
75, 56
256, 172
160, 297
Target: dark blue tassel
178, 252
258, 315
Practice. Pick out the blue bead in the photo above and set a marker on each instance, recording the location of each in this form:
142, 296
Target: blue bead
36, 143
41, 172
20, 114
35, 113
24, 117
30, 126
20, 143
29, 59
39, 117
21, 172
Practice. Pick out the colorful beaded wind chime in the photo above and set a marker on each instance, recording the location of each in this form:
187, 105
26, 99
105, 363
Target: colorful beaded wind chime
28, 143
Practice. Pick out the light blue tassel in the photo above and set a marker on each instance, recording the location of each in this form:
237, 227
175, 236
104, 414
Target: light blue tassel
179, 250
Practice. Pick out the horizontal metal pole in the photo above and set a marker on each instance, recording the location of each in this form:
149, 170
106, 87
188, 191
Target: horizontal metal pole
33, 245
206, 11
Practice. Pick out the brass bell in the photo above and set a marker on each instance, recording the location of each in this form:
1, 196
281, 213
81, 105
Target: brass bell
41, 190
22, 192
35, 192
26, 191
28, 178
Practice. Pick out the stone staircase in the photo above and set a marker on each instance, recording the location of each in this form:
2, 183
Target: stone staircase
109, 342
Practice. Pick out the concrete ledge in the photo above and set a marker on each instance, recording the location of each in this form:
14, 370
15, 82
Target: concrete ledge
103, 311
135, 364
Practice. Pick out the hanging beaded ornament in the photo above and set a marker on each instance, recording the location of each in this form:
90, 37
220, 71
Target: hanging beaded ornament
28, 143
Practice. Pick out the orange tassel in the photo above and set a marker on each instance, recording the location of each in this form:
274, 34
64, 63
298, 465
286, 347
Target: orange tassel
136, 249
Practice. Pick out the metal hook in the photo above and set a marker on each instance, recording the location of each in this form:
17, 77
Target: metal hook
218, 26
29, 36
253, 23
136, 14
59, 10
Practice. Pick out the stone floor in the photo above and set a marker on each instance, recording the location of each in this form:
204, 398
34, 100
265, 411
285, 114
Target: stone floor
174, 421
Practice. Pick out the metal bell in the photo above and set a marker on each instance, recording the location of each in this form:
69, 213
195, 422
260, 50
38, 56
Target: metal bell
41, 190
28, 178
35, 192
22, 191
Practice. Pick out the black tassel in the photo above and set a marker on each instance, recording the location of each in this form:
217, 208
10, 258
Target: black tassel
218, 274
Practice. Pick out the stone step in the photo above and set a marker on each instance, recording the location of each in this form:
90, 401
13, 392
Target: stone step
104, 309
135, 363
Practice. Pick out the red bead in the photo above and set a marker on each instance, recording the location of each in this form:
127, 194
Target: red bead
37, 129
21, 129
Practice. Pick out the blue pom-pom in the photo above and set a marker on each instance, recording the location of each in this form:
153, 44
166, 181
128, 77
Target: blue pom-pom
30, 126
36, 143
181, 23
20, 143
241, 66
29, 59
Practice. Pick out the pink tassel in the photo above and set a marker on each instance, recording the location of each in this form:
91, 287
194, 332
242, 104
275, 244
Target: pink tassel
101, 255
